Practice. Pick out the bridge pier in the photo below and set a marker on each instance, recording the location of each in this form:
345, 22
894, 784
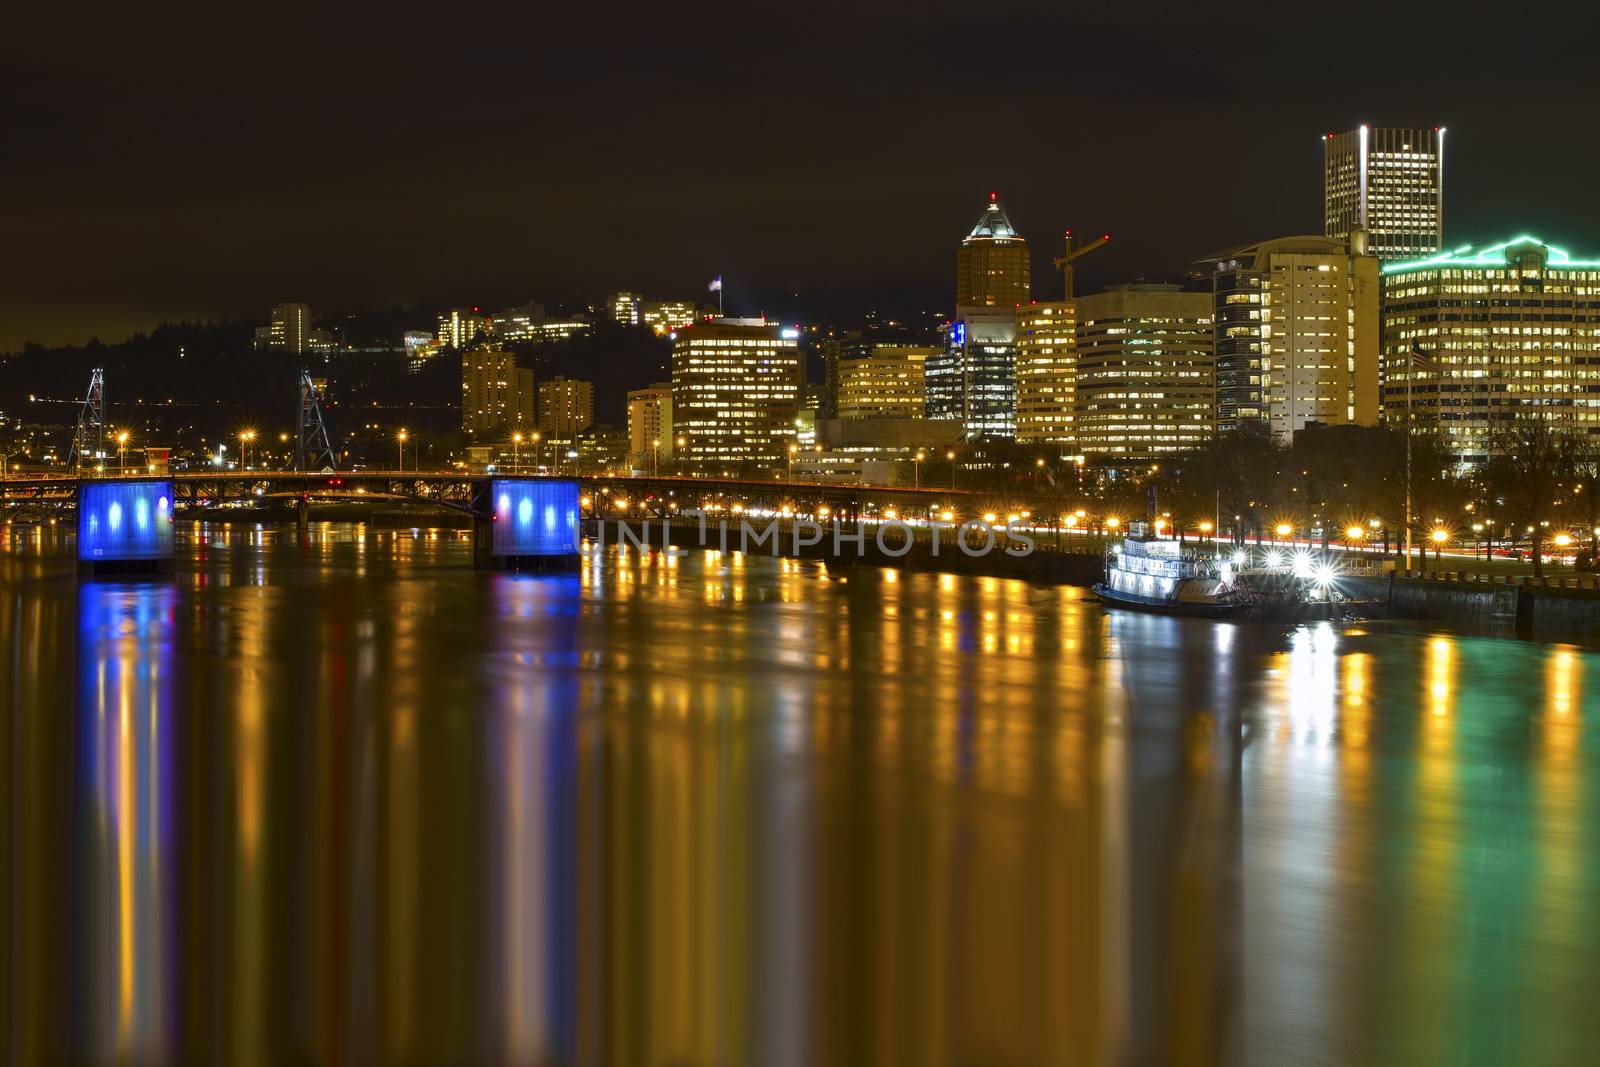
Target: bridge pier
525, 524
125, 527
302, 514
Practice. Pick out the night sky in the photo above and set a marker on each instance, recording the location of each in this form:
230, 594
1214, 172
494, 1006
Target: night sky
212, 163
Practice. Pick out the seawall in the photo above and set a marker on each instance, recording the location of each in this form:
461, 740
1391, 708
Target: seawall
1528, 606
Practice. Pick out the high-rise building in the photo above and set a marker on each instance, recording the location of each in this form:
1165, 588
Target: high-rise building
623, 308
735, 390
566, 407
458, 328
289, 329
1046, 371
1146, 371
1473, 338
650, 424
1389, 183
889, 383
974, 377
992, 263
497, 397
1296, 323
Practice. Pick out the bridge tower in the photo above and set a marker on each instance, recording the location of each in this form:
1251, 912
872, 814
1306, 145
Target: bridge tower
313, 446
90, 437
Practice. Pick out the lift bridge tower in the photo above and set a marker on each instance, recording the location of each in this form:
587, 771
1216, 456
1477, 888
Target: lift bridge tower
313, 450
90, 438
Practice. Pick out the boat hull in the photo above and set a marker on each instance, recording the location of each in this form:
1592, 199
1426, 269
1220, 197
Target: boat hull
1220, 609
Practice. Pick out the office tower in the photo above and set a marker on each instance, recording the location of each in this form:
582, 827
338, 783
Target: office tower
974, 377
290, 329
650, 434
664, 316
566, 407
623, 308
889, 383
992, 263
497, 397
1512, 328
1146, 371
458, 329
735, 391
1296, 323
1389, 183
1046, 369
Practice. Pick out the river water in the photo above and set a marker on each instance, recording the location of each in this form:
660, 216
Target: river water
348, 800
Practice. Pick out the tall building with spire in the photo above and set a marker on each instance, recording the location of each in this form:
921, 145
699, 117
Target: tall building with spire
992, 264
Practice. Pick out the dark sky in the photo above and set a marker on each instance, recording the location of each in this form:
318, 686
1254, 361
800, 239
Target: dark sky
209, 161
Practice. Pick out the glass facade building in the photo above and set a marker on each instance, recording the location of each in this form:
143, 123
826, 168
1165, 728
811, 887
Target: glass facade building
974, 378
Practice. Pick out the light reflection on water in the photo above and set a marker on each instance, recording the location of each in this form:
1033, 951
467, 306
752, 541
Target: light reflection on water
343, 799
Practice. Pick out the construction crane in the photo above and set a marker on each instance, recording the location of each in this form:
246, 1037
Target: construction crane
1064, 264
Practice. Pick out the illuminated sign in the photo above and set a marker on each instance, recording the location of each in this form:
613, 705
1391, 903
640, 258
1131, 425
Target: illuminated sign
958, 334
535, 517
124, 521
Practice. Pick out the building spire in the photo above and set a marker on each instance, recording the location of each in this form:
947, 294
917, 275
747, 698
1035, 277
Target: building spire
993, 225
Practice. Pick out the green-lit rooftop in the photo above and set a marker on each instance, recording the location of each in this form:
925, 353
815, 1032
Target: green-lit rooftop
1490, 256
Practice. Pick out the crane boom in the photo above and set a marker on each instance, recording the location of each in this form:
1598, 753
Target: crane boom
1064, 263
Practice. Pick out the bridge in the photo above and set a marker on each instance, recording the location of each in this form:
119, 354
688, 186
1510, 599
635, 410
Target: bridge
316, 479
603, 495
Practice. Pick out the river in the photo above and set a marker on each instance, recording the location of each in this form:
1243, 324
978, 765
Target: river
346, 799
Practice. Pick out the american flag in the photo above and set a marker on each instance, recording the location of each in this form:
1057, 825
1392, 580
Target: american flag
1420, 360
716, 285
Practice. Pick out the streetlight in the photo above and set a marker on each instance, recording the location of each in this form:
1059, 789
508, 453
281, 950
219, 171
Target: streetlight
1353, 533
1439, 536
516, 440
538, 457
917, 469
1283, 529
245, 438
792, 450
122, 443
951, 456
401, 438
655, 457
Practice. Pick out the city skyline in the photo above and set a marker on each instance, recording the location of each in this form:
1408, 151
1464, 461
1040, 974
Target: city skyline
434, 182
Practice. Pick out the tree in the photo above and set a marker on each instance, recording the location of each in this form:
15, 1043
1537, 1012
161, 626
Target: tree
1529, 460
1586, 486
